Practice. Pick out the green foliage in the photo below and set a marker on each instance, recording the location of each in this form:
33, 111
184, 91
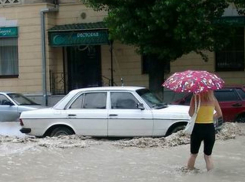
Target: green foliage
168, 28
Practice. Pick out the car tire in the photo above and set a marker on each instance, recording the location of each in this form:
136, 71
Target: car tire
61, 130
240, 119
178, 128
175, 129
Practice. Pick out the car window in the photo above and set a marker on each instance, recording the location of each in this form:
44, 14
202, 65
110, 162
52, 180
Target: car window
188, 99
123, 100
170, 96
241, 93
226, 95
90, 101
151, 99
4, 100
21, 99
78, 103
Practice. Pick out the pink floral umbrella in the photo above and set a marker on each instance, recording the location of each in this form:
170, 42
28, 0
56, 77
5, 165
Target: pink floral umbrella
193, 81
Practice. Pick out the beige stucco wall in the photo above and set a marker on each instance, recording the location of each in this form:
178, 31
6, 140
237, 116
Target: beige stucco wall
29, 41
127, 63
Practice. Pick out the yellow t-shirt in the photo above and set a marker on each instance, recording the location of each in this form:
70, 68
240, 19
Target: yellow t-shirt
205, 114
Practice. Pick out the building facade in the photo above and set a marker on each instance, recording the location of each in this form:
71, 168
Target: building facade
49, 48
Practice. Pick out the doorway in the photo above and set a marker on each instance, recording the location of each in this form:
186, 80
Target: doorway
84, 67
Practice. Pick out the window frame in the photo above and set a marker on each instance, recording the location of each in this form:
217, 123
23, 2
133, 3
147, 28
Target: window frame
16, 62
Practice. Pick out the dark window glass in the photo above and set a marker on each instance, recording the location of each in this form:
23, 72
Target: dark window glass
21, 99
229, 95
90, 101
188, 99
123, 100
9, 64
4, 100
231, 58
241, 93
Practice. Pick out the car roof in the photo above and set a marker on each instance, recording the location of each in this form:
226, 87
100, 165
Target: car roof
126, 88
61, 104
234, 86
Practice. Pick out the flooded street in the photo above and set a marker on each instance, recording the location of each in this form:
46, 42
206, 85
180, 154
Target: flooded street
76, 158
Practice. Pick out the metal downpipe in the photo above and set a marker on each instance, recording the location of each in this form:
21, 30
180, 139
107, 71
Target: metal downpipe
43, 44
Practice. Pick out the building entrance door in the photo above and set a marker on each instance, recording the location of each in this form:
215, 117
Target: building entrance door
84, 67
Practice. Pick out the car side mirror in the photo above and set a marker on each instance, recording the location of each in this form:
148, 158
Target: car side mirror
140, 106
7, 103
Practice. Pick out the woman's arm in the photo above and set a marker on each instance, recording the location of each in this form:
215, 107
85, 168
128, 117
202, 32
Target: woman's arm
217, 108
192, 107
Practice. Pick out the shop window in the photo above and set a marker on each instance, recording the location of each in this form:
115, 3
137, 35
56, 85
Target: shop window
231, 58
9, 57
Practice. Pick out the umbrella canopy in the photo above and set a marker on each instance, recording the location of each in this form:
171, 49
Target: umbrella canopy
193, 81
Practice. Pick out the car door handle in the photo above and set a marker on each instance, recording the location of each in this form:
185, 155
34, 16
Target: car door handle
72, 115
237, 104
113, 115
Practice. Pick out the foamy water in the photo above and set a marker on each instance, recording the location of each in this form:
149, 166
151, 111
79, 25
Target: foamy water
10, 134
11, 129
76, 158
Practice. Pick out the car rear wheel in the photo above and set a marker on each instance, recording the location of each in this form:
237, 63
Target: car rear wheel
61, 130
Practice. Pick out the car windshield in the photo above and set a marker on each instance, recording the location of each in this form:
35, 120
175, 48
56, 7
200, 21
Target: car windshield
21, 99
151, 99
171, 96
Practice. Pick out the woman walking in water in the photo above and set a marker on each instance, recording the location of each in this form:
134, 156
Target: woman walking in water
204, 127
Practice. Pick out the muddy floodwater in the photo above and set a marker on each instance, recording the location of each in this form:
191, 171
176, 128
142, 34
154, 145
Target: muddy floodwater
76, 158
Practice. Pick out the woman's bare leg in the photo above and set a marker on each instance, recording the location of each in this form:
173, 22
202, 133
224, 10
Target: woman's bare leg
191, 162
209, 162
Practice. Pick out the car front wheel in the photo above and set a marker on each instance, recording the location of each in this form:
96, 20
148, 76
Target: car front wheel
61, 130
178, 128
240, 119
175, 129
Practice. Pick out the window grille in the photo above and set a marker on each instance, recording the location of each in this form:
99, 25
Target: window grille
9, 2
231, 58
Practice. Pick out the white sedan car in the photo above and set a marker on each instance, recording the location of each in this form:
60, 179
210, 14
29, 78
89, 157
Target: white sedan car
106, 111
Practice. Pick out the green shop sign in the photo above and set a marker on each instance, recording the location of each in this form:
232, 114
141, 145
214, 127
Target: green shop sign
62, 39
236, 21
8, 31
